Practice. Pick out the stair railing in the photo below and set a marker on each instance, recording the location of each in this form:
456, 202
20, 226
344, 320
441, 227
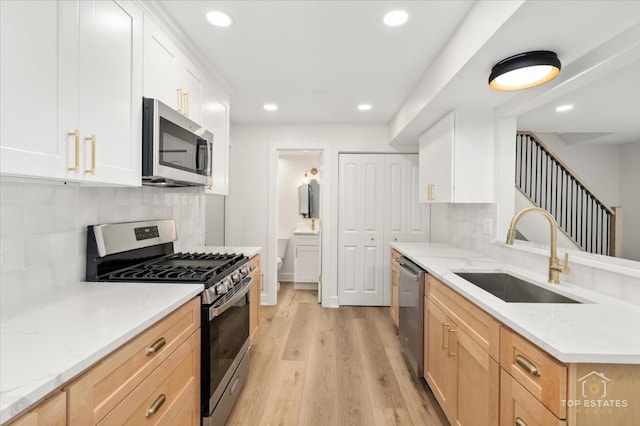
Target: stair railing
551, 185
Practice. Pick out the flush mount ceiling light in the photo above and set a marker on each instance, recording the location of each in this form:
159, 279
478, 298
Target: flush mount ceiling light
364, 107
524, 70
396, 18
219, 19
270, 107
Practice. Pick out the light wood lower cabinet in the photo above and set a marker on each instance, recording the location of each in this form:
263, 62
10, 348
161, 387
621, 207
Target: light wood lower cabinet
51, 412
519, 407
395, 288
254, 298
459, 368
160, 368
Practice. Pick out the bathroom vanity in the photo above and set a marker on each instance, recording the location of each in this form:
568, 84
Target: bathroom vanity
306, 260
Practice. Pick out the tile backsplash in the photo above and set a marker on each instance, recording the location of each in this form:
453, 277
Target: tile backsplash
43, 228
461, 225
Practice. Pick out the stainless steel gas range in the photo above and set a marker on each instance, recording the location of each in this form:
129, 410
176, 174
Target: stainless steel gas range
144, 252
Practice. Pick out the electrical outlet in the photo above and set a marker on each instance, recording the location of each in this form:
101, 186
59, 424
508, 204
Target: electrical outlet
487, 225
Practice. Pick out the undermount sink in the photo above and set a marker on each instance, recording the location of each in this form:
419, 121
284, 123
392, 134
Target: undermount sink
513, 289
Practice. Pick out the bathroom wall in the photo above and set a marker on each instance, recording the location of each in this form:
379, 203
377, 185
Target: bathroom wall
43, 229
291, 168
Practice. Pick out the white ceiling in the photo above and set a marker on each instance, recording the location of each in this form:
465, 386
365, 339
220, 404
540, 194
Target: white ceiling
319, 59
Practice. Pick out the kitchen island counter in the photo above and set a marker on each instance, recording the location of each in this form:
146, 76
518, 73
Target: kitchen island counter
601, 329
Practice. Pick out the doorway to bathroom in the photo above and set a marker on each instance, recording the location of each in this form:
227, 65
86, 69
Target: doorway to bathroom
298, 230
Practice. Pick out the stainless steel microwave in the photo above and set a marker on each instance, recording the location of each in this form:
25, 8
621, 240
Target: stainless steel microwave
175, 150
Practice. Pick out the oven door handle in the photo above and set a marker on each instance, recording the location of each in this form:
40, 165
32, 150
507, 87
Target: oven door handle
215, 311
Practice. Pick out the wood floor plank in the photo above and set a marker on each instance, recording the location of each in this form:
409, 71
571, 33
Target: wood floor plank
354, 404
393, 417
421, 404
297, 344
284, 398
381, 380
348, 369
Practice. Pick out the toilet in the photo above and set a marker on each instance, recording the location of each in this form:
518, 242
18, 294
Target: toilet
282, 250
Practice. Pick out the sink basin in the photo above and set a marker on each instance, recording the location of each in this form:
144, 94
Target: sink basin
512, 289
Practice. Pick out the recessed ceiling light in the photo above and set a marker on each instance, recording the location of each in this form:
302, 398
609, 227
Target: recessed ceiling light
396, 18
270, 107
563, 108
219, 19
364, 107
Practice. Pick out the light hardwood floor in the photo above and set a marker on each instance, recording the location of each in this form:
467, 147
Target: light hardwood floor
316, 366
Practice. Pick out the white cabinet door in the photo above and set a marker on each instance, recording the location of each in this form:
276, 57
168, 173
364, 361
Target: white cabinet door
110, 91
193, 92
71, 90
161, 66
216, 119
305, 264
36, 67
436, 162
360, 238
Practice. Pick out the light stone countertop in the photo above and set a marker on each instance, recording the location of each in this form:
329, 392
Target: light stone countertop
602, 329
56, 338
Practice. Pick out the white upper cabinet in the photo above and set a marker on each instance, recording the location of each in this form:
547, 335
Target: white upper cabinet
71, 90
176, 81
169, 76
456, 159
216, 119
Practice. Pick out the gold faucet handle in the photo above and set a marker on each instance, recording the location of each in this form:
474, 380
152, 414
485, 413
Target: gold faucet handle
565, 266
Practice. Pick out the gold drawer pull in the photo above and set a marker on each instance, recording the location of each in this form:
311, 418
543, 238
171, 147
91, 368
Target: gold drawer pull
155, 346
445, 328
449, 343
430, 192
76, 136
527, 365
520, 422
156, 405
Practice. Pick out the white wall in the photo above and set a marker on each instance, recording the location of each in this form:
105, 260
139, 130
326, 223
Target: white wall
596, 165
43, 229
249, 199
630, 199
214, 220
291, 168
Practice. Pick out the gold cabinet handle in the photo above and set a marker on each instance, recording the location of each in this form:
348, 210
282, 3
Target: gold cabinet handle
76, 136
185, 95
449, 342
156, 405
445, 329
527, 365
155, 346
180, 99
430, 192
92, 170
520, 422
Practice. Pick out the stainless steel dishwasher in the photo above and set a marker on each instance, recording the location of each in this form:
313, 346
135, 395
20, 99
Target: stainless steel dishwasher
411, 312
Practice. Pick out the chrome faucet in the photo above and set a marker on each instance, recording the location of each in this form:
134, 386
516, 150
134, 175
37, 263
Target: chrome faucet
555, 267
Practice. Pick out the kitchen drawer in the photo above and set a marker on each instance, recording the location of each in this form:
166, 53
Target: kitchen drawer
104, 386
168, 390
255, 262
518, 407
394, 256
541, 374
482, 328
51, 412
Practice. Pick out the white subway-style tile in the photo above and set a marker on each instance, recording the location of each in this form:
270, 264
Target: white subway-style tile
12, 254
38, 251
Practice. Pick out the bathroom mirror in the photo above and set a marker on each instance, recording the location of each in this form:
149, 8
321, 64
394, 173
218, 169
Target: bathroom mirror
309, 199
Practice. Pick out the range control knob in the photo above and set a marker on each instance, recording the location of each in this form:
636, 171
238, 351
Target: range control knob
235, 277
